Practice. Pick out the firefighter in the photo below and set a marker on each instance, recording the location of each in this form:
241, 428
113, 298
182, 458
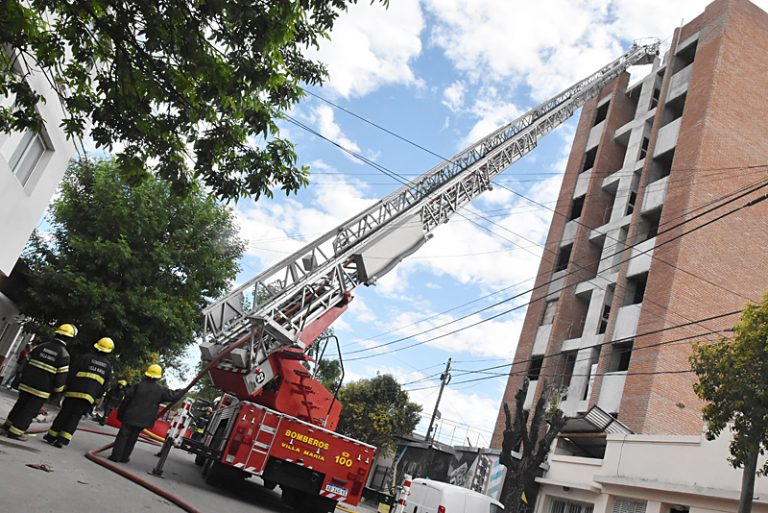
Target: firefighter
44, 374
84, 387
139, 410
113, 399
201, 423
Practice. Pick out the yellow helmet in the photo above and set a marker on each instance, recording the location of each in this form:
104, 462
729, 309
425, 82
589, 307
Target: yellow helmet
105, 345
154, 371
122, 382
67, 330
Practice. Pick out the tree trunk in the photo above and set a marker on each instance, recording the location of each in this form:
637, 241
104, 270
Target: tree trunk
748, 480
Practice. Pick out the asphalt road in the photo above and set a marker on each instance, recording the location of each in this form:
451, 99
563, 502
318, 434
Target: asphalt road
78, 485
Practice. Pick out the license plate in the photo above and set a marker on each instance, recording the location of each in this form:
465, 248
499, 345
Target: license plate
336, 489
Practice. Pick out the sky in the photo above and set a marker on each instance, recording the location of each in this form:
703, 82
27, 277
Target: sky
442, 74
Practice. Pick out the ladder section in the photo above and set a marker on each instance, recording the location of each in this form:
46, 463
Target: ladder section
275, 307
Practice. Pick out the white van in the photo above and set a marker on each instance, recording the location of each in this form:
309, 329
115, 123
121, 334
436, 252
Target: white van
429, 496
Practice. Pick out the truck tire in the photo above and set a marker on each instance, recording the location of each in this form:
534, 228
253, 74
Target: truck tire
269, 485
290, 497
200, 460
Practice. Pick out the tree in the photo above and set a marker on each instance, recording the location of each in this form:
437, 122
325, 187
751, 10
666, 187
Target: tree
195, 87
532, 441
733, 379
375, 410
133, 263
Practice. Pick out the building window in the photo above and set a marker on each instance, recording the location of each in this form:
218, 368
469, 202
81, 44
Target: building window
628, 506
635, 289
648, 227
563, 506
673, 110
576, 207
644, 148
549, 312
604, 316
563, 257
589, 159
535, 367
631, 202
27, 155
685, 56
661, 166
602, 113
621, 354
568, 362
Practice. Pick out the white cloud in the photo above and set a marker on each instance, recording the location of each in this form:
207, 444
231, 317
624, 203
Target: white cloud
492, 110
371, 46
457, 422
453, 95
322, 116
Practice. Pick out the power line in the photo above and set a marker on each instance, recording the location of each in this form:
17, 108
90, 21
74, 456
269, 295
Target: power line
535, 288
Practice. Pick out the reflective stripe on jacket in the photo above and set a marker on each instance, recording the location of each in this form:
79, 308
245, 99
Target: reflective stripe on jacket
46, 371
88, 377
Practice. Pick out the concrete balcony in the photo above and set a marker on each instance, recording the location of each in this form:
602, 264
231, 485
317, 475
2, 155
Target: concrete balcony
678, 84
594, 135
529, 396
582, 183
640, 257
569, 232
541, 339
611, 391
555, 284
626, 321
667, 138
655, 193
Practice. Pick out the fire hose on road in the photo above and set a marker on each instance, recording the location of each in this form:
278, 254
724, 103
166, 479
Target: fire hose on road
149, 438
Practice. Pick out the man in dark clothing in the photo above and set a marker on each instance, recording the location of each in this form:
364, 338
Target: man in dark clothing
84, 387
139, 411
113, 399
44, 374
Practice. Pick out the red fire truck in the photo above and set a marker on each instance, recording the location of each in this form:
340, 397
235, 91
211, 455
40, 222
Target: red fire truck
281, 422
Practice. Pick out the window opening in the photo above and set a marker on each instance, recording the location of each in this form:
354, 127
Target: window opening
589, 159
563, 257
602, 113
576, 208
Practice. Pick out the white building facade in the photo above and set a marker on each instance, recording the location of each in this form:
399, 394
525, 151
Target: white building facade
31, 167
648, 474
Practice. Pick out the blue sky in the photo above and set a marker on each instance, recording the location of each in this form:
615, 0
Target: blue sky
443, 73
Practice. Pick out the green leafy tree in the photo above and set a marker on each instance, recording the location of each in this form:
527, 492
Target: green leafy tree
194, 87
375, 410
135, 263
733, 379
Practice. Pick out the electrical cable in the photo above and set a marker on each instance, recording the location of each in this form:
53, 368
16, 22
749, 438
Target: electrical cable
396, 177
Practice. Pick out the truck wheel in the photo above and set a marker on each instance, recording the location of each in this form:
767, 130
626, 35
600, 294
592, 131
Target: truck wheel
290, 497
200, 460
269, 485
315, 504
212, 473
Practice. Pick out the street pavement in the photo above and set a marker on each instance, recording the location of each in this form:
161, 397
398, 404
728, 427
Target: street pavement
77, 485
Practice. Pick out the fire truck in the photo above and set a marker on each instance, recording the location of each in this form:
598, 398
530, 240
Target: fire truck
280, 422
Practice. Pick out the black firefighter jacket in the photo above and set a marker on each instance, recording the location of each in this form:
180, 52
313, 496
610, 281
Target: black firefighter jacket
139, 408
88, 377
46, 371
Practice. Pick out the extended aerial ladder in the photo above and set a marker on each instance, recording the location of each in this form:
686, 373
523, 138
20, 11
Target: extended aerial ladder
276, 315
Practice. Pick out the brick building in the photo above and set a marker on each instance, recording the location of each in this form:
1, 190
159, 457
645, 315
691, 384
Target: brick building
623, 288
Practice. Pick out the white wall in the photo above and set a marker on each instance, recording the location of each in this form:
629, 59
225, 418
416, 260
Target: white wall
662, 470
22, 205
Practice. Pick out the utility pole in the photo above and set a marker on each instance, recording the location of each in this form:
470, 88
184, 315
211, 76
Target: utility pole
445, 378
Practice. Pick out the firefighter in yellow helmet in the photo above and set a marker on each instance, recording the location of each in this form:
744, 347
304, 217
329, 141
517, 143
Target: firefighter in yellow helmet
139, 410
44, 374
85, 386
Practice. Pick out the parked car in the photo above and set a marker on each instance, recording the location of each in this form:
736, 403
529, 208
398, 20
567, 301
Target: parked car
429, 496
